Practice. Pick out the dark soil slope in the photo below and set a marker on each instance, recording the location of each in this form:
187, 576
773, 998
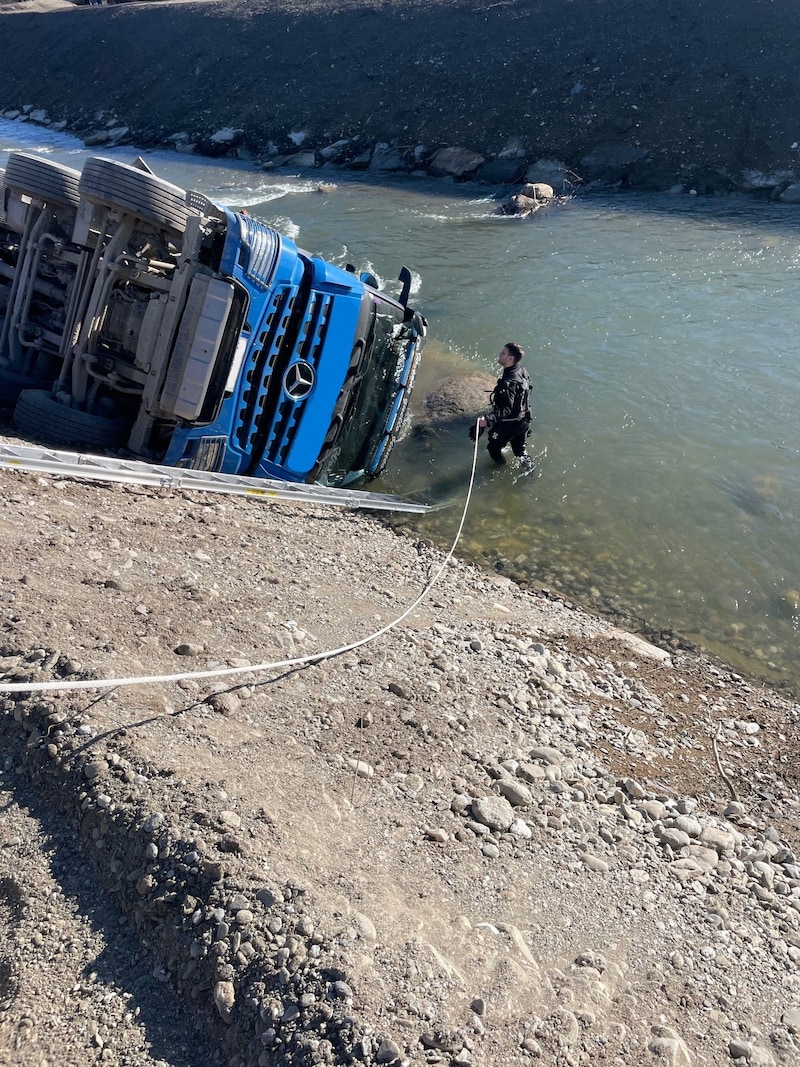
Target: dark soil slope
644, 91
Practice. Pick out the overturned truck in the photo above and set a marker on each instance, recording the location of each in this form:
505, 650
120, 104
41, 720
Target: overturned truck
137, 316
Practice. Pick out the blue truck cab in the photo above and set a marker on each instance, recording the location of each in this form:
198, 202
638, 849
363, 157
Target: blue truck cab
194, 335
322, 371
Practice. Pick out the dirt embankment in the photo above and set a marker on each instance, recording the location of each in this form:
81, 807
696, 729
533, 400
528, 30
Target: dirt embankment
641, 94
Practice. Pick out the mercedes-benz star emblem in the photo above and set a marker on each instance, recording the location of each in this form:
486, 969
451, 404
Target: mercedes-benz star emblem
299, 380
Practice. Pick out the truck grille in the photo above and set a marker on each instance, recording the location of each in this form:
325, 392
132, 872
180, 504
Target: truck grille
268, 420
310, 346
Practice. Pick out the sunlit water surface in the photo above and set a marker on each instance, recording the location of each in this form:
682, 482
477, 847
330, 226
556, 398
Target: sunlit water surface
661, 334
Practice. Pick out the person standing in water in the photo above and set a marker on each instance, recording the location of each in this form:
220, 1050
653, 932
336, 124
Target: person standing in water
509, 421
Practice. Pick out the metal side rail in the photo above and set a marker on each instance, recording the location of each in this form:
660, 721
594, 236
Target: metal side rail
113, 469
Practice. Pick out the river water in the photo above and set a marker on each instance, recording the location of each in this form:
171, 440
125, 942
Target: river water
661, 333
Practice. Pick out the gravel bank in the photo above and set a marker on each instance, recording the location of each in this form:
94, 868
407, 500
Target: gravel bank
503, 832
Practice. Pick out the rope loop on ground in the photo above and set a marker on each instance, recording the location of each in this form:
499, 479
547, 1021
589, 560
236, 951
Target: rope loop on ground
257, 668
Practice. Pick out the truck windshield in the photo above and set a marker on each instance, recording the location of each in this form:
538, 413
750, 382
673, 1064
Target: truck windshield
370, 392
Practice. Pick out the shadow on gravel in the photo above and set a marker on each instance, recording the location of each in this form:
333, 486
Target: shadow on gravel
171, 1033
11, 904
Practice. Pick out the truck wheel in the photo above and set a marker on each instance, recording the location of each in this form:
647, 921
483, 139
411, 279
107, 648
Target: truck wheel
12, 384
109, 183
37, 408
43, 179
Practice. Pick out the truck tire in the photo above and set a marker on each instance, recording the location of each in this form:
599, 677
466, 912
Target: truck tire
37, 408
12, 384
43, 179
111, 184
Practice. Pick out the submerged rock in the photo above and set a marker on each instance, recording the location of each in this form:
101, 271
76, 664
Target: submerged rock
459, 396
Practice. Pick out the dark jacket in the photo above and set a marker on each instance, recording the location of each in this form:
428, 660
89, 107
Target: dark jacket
510, 399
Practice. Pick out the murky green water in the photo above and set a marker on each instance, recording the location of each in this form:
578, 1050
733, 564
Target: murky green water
662, 338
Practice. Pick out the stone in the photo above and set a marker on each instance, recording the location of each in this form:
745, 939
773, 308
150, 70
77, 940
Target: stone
494, 812
519, 205
500, 171
670, 1050
185, 648
675, 839
718, 838
361, 768
537, 191
791, 194
94, 769
516, 793
226, 136
225, 703
386, 158
457, 162
224, 999
339, 990
531, 772
595, 863
388, 1051
690, 826
305, 159
459, 395
92, 140
739, 1048
550, 172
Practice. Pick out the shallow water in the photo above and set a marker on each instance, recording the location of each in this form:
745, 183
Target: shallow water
661, 335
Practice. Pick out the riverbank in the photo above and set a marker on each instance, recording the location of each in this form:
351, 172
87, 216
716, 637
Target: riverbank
617, 95
504, 830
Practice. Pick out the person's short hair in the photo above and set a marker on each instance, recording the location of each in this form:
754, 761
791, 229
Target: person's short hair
516, 350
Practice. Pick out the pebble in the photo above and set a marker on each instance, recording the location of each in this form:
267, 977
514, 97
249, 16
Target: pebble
494, 812
516, 793
388, 1051
595, 863
224, 999
361, 768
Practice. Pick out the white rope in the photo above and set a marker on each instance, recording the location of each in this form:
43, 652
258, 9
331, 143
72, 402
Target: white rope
227, 672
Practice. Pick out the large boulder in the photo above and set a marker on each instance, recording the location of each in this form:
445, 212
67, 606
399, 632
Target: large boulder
531, 197
460, 396
537, 191
456, 162
550, 171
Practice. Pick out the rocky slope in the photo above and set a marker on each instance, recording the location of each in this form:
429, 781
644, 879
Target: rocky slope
640, 94
503, 832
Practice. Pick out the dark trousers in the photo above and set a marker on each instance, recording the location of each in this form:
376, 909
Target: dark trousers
507, 434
